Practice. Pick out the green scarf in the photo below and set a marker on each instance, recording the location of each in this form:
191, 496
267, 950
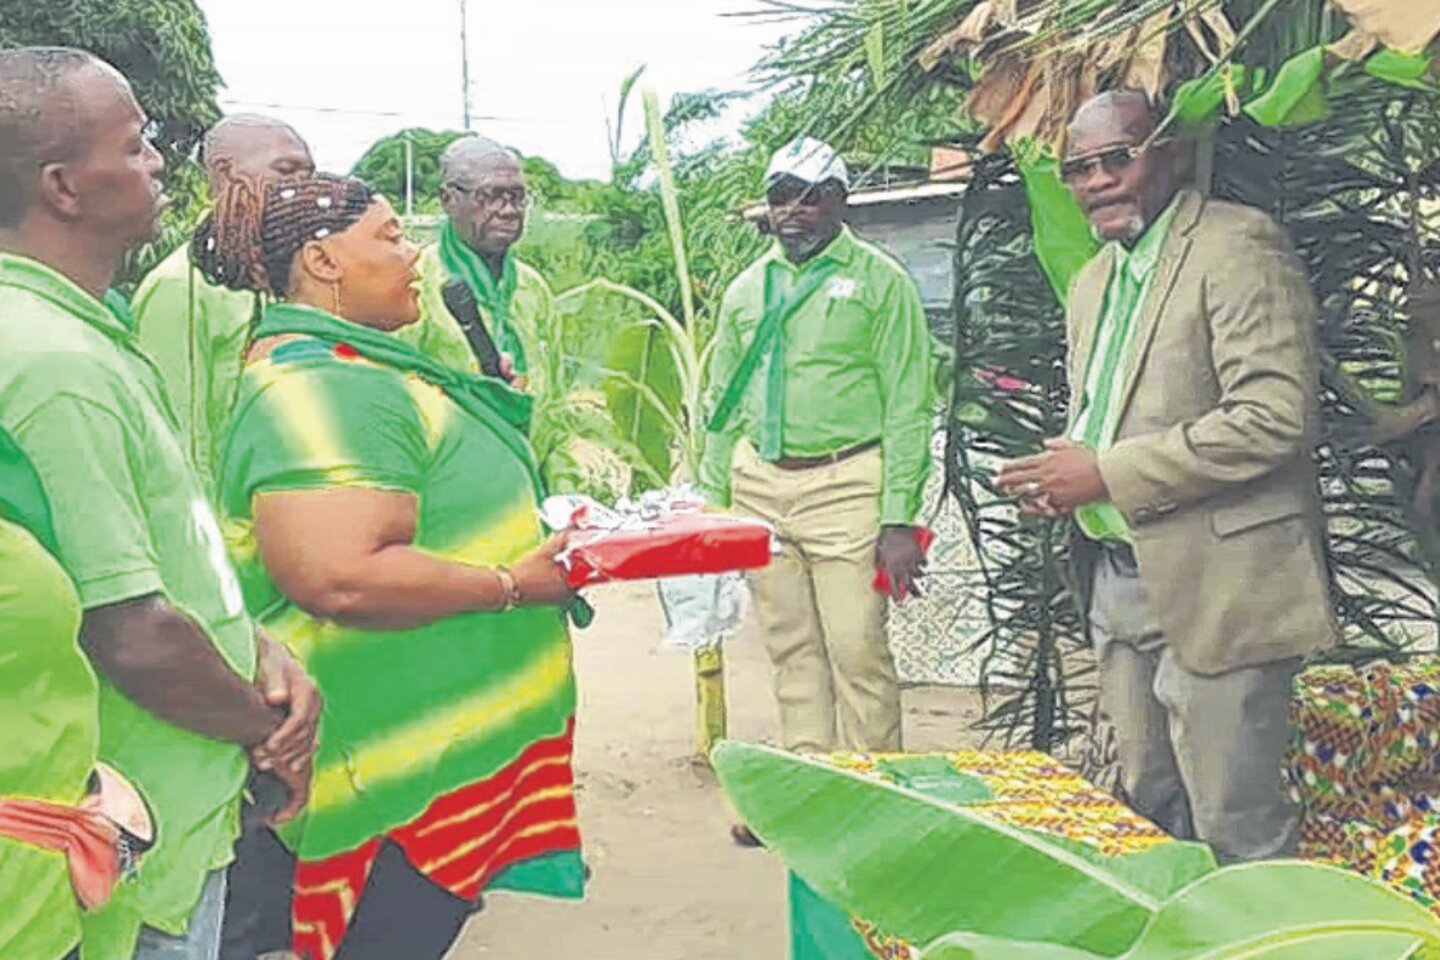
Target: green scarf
505, 411
465, 264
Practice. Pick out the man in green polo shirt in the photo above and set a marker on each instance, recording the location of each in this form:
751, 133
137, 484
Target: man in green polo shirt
186, 686
47, 712
195, 331
485, 198
820, 422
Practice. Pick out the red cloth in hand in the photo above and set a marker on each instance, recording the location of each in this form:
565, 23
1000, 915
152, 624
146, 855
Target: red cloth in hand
924, 536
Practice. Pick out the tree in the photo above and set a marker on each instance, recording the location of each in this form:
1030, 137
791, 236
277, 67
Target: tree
163, 47
383, 165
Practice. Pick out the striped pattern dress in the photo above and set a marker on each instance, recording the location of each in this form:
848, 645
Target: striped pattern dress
453, 739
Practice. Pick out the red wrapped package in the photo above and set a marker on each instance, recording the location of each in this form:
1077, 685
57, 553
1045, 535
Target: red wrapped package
661, 541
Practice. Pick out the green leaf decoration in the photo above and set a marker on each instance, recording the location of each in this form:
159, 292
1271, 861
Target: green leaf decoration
1289, 910
969, 946
920, 868
640, 353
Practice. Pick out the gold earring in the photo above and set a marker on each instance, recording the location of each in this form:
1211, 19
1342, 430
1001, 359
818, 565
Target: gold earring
335, 297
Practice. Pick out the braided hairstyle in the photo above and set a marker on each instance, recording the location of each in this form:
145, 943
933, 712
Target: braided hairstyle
250, 239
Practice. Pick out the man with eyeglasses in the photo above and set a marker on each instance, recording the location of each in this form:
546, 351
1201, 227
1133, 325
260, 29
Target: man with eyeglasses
1187, 469
819, 421
481, 308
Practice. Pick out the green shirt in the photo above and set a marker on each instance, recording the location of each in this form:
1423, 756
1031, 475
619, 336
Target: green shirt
48, 715
856, 369
197, 334
85, 406
1098, 414
410, 715
438, 334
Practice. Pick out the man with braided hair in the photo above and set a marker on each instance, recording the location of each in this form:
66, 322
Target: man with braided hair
197, 331
187, 685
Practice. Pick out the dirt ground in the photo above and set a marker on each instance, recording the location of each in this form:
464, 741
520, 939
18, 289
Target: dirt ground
668, 883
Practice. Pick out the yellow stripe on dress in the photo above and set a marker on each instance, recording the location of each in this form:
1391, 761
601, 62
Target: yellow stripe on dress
504, 540
404, 750
302, 412
435, 408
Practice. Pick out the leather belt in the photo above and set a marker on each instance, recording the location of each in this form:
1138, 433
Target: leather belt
824, 460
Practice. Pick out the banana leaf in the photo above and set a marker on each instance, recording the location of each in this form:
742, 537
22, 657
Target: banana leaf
1332, 946
640, 352
920, 868
1263, 911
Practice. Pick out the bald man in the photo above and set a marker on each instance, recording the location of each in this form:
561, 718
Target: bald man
197, 332
506, 304
187, 686
1187, 470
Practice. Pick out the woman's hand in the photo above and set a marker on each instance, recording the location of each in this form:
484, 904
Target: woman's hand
540, 577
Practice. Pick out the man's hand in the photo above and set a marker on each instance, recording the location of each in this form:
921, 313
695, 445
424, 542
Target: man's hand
898, 553
285, 685
297, 788
1055, 482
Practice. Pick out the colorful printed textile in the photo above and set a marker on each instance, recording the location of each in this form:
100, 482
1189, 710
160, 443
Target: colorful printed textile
470, 710
1027, 789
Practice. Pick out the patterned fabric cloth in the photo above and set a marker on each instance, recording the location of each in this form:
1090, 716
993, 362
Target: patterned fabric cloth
1363, 767
454, 738
1029, 790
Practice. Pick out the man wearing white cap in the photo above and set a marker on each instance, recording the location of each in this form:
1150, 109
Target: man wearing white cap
820, 423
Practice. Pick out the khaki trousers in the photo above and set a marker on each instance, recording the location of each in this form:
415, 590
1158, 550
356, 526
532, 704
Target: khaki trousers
1199, 755
821, 618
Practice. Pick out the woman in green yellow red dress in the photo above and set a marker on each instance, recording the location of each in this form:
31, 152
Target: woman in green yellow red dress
382, 510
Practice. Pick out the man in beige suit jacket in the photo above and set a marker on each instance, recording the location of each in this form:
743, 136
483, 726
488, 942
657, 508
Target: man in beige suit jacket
1187, 468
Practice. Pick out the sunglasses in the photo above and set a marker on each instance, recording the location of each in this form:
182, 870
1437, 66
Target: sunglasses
1112, 160
791, 191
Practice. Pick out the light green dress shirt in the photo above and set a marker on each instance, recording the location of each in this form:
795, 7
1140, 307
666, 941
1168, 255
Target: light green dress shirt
197, 334
856, 369
1099, 404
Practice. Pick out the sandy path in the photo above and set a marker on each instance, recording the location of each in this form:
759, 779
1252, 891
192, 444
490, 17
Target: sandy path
668, 884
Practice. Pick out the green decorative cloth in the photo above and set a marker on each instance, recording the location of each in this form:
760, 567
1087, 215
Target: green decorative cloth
1098, 405
417, 714
495, 296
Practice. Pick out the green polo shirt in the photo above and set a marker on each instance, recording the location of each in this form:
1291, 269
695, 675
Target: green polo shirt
856, 369
1098, 415
50, 729
197, 334
84, 405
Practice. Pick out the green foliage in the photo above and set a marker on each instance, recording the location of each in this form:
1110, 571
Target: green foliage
383, 166
967, 887
163, 47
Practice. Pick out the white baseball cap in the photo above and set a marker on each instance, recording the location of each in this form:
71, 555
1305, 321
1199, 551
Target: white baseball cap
808, 159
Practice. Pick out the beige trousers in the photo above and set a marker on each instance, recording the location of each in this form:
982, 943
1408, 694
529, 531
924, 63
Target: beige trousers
821, 618
1199, 755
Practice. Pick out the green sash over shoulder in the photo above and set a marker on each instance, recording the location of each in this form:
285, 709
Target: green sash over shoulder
495, 296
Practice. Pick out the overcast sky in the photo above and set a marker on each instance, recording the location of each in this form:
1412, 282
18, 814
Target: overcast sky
545, 74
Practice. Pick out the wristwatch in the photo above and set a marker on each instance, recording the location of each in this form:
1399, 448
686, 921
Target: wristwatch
509, 588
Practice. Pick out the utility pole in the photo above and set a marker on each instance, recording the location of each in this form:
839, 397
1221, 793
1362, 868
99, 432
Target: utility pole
409, 175
465, 64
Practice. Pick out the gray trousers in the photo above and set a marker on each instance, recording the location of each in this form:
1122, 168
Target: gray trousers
1199, 755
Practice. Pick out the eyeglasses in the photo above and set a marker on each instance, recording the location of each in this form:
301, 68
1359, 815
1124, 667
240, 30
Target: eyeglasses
1112, 160
495, 197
